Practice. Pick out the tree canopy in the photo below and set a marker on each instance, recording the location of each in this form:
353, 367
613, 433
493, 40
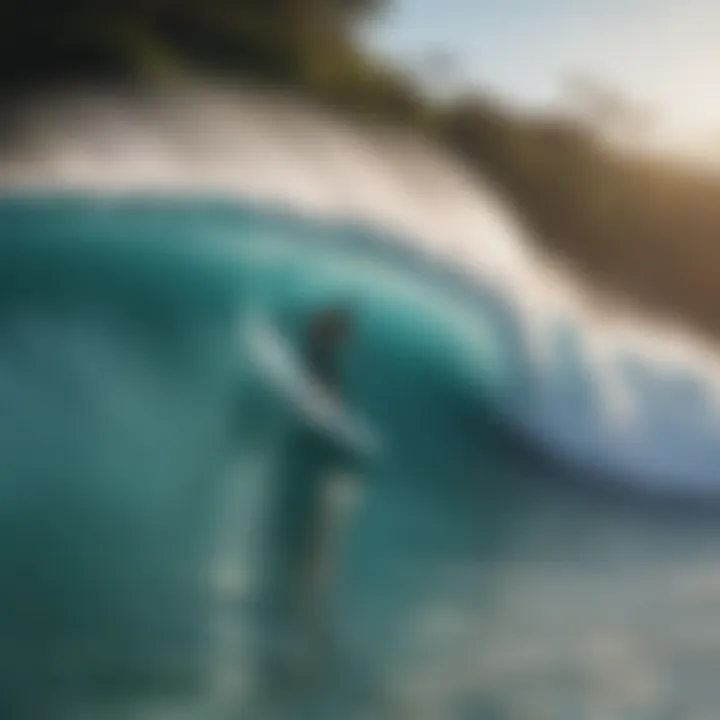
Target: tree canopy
44, 39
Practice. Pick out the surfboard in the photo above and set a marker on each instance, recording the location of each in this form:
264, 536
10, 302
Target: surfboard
277, 364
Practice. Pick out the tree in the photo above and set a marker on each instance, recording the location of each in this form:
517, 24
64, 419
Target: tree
46, 39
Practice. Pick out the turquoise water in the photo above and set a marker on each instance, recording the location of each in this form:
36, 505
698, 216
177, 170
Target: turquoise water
476, 577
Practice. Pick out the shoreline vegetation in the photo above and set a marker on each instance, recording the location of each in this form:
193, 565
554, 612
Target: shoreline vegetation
646, 228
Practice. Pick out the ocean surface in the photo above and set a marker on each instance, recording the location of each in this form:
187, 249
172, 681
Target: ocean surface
494, 562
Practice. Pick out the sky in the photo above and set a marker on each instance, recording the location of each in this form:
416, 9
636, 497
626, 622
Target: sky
662, 54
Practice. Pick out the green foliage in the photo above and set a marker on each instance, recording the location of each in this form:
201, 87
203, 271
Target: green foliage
47, 39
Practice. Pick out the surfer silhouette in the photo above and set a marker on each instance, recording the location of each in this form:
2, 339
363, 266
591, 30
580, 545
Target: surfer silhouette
328, 331
306, 518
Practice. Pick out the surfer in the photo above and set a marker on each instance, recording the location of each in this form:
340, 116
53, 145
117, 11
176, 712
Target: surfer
328, 330
306, 517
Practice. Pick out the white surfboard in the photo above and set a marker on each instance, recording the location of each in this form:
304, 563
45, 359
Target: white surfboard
275, 361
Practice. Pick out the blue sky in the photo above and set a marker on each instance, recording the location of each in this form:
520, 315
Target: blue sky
664, 54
